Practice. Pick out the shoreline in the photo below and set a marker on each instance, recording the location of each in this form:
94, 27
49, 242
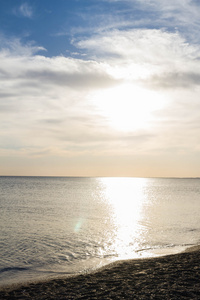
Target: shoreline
175, 276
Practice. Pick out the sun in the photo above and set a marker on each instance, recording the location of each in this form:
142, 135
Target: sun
127, 107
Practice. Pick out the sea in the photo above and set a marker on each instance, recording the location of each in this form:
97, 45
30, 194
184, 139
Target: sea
62, 226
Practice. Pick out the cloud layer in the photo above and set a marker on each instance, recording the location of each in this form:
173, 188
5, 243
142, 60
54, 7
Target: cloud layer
56, 113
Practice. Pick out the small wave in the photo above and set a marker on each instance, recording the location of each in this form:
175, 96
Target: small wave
10, 269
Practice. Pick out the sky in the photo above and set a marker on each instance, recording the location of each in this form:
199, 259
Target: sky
100, 88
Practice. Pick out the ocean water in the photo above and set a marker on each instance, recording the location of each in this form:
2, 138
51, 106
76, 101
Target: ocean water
59, 226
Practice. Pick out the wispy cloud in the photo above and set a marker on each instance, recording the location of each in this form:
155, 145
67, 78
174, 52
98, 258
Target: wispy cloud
175, 16
24, 10
182, 16
13, 46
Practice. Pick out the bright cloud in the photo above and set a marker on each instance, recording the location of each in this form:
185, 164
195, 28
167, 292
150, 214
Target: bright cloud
155, 57
129, 105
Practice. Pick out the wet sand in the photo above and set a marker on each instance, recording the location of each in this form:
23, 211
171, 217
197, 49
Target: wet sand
168, 277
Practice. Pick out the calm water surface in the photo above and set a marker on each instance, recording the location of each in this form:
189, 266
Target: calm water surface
58, 226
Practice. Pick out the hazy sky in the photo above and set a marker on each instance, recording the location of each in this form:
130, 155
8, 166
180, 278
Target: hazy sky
100, 88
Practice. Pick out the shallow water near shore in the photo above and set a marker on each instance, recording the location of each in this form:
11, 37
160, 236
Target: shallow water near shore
56, 226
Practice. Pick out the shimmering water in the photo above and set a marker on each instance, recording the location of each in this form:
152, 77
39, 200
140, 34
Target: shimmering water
59, 226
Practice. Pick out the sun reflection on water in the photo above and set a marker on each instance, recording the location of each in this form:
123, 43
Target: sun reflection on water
126, 197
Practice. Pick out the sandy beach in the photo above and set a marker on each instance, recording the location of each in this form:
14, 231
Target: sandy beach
167, 277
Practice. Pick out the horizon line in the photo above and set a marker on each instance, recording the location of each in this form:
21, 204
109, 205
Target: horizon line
71, 176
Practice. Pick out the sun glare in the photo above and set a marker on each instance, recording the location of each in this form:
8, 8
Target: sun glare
128, 107
126, 198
